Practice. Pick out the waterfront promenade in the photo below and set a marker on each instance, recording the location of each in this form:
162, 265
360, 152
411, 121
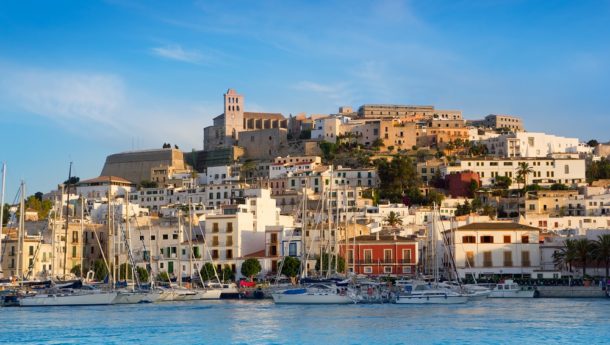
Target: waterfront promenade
261, 322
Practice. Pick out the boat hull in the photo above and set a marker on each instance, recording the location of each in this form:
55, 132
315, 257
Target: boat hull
414, 299
280, 298
513, 294
136, 297
102, 298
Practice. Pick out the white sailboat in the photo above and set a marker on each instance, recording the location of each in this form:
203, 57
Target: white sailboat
315, 294
432, 292
69, 297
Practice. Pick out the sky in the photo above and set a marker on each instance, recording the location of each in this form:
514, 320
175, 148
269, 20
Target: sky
80, 80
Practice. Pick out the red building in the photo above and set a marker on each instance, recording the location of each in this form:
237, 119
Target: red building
459, 183
381, 255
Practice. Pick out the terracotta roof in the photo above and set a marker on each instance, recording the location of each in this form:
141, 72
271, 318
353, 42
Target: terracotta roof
382, 238
102, 179
497, 226
259, 254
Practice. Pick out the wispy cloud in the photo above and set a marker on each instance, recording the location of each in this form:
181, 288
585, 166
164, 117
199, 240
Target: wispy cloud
176, 52
101, 107
338, 93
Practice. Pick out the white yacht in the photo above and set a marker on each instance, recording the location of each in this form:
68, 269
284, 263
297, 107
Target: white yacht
69, 297
315, 294
510, 289
135, 296
425, 293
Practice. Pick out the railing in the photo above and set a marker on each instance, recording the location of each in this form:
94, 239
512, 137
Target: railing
508, 263
487, 264
526, 263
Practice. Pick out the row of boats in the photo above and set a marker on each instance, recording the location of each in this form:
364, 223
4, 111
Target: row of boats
405, 292
76, 294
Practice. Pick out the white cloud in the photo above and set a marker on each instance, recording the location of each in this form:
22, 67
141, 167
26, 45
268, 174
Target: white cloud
101, 107
176, 52
338, 93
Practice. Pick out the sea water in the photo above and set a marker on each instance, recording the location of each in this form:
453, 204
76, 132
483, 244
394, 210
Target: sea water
498, 321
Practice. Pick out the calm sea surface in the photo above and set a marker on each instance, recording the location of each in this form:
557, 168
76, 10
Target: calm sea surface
498, 321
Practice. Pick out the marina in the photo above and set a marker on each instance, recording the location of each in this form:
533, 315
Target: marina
261, 322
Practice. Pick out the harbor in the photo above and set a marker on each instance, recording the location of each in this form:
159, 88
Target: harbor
261, 322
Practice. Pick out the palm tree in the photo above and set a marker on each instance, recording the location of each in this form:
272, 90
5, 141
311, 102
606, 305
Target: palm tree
583, 249
565, 257
523, 170
393, 219
601, 251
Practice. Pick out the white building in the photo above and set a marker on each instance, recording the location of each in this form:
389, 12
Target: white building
483, 249
530, 145
546, 171
98, 188
328, 128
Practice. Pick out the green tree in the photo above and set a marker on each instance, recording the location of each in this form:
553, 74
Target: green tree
100, 269
73, 180
148, 184
142, 274
601, 252
523, 171
227, 274
393, 219
583, 251
291, 267
5, 213
162, 277
42, 207
502, 182
434, 198
592, 143
472, 188
559, 186
399, 179
207, 272
76, 270
328, 150
323, 260
250, 268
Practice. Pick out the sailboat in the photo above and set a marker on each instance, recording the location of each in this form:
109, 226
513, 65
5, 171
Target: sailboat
421, 292
136, 294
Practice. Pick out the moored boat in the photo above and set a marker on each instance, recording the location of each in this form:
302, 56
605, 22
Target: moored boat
314, 294
510, 289
422, 293
69, 298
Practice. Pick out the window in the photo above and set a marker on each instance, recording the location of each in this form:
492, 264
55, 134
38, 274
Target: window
507, 239
215, 240
229, 240
387, 255
525, 239
215, 254
368, 269
215, 227
153, 237
387, 269
487, 239
406, 269
406, 256
229, 227
350, 255
31, 250
292, 249
165, 236
469, 239
470, 259
229, 253
487, 260
175, 236
368, 256
73, 251
74, 236
508, 259
525, 258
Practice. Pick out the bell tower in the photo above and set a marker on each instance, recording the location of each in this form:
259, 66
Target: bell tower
234, 116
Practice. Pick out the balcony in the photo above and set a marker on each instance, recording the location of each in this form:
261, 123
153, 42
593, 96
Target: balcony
508, 263
487, 264
526, 263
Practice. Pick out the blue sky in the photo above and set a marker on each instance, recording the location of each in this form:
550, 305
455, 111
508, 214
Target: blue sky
80, 79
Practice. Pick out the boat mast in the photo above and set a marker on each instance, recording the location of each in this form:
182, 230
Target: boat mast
329, 217
109, 247
190, 235
179, 254
20, 231
2, 209
303, 232
67, 221
82, 232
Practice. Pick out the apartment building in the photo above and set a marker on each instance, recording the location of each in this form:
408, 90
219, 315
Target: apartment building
485, 249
